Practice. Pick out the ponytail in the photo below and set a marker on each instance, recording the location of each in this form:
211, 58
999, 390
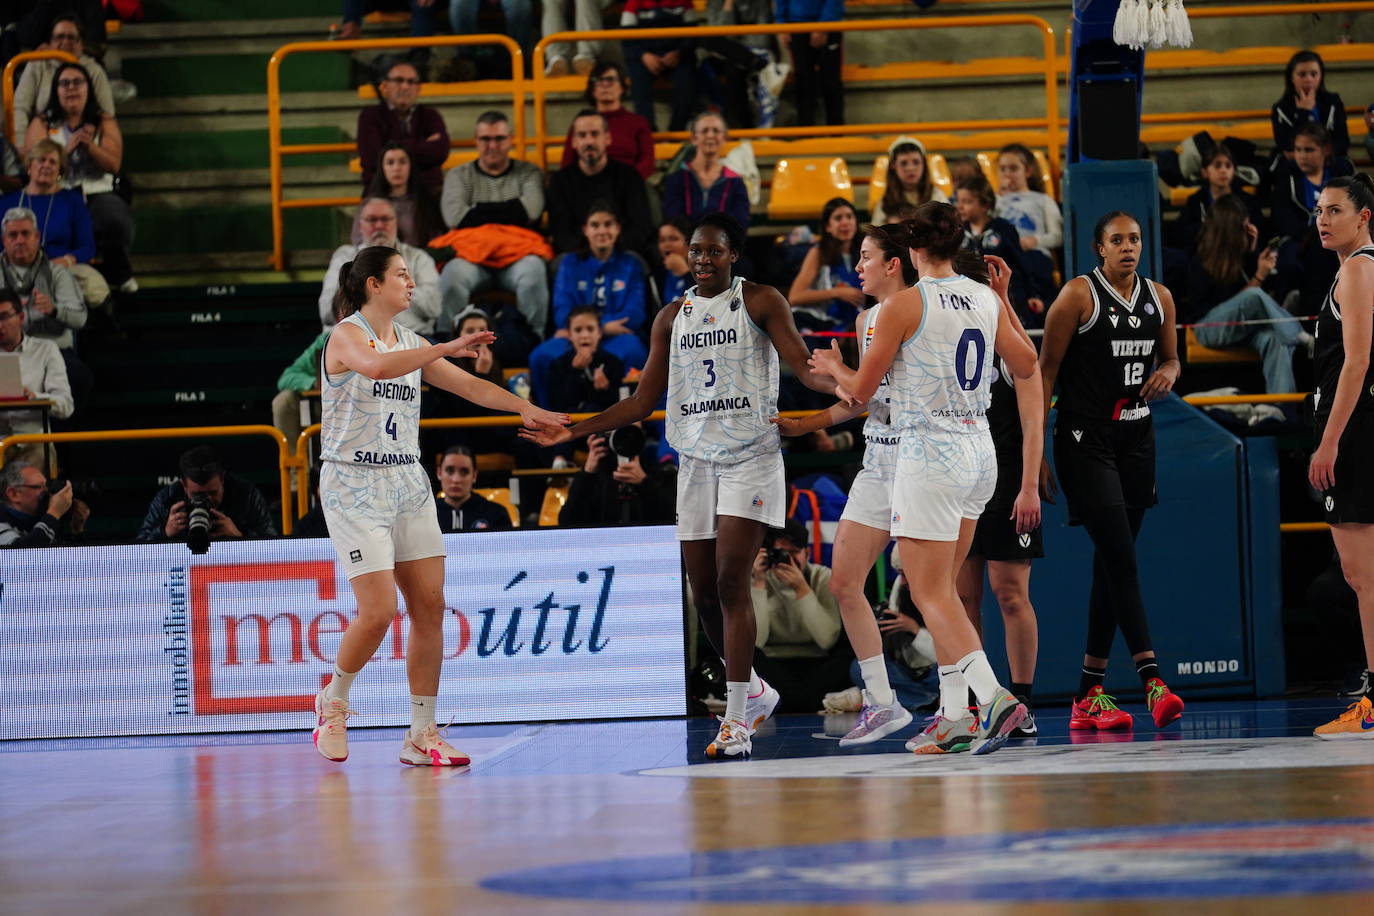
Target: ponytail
970, 263
935, 227
368, 264
1358, 187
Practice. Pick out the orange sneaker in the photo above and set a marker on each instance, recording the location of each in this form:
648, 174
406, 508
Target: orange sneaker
431, 750
1098, 710
1162, 702
331, 728
1355, 722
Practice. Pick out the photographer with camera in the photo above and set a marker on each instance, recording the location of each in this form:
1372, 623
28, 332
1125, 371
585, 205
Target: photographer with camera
804, 654
620, 484
37, 512
205, 503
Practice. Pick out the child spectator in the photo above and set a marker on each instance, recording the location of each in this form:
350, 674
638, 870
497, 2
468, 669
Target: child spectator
908, 180
674, 278
1219, 180
585, 377
1306, 100
1022, 201
988, 234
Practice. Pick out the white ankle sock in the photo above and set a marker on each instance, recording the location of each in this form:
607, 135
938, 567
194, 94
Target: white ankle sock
339, 684
978, 673
755, 683
953, 693
736, 694
421, 712
874, 672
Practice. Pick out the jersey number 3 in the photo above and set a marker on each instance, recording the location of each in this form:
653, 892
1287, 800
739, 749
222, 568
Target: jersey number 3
972, 337
710, 365
390, 425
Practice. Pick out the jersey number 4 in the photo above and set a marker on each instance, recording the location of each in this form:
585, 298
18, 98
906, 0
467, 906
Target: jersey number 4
390, 425
972, 337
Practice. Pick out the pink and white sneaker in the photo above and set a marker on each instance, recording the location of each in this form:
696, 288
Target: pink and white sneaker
331, 728
431, 750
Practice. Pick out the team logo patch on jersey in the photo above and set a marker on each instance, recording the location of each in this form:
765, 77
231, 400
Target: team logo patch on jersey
1024, 540
1330, 504
758, 502
896, 517
1149, 308
735, 304
355, 556
1077, 435
1134, 321
687, 309
709, 319
1113, 319
617, 286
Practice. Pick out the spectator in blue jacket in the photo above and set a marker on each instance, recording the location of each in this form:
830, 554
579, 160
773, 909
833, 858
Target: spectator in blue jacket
604, 276
815, 58
704, 184
988, 234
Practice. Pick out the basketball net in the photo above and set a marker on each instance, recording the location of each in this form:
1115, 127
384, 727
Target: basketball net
1153, 24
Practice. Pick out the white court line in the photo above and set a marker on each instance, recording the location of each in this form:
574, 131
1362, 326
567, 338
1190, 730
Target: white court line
1060, 759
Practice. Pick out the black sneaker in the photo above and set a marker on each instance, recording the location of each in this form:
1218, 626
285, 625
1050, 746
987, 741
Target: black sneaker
1027, 728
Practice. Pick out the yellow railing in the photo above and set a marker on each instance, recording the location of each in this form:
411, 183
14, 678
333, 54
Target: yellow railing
278, 149
284, 458
7, 90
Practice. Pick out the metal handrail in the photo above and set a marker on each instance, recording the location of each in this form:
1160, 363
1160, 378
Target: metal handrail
277, 149
7, 90
284, 458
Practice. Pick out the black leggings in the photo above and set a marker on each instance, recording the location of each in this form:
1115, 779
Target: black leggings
1115, 601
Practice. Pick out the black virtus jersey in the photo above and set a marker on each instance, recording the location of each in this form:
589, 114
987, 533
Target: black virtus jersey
1112, 353
1329, 355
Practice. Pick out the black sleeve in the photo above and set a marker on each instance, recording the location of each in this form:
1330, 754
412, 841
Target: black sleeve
639, 228
1288, 217
256, 520
1183, 234
42, 534
508, 212
562, 220
498, 519
155, 520
1281, 123
567, 386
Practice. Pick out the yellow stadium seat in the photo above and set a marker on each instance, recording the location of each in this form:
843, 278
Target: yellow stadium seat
802, 186
939, 176
501, 496
1197, 353
494, 461
555, 498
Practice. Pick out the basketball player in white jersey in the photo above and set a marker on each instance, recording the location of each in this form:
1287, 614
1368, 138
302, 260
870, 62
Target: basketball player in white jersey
937, 342
376, 495
715, 351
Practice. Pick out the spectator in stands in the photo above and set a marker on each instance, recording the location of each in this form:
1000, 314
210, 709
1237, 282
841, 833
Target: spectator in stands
31, 515
237, 508
485, 364
519, 16
1219, 177
804, 655
611, 490
988, 234
586, 18
417, 208
11, 176
826, 294
42, 373
351, 23
1304, 265
961, 169
585, 377
65, 226
674, 278
815, 58
439, 403
1306, 100
600, 275
908, 180
459, 508
648, 60
1023, 202
33, 94
632, 140
34, 21
377, 219
705, 184
495, 190
95, 153
301, 376
1226, 284
592, 177
399, 118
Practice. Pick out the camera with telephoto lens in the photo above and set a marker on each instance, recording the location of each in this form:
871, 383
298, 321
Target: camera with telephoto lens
777, 556
198, 508
627, 442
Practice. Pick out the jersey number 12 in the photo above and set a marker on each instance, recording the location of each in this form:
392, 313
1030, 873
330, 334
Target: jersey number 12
1133, 373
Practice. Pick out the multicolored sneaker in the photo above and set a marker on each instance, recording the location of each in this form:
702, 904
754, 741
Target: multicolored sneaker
733, 740
1355, 722
331, 728
758, 709
876, 722
431, 750
1162, 702
996, 721
945, 736
1098, 710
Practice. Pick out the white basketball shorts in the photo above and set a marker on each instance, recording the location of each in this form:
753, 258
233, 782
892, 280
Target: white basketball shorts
379, 517
754, 489
942, 479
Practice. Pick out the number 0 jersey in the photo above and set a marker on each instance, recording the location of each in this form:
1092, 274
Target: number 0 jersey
370, 422
939, 379
1112, 354
722, 380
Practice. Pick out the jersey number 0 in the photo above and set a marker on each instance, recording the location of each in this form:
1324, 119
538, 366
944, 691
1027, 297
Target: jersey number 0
972, 337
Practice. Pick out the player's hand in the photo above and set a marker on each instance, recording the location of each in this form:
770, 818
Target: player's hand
999, 275
1028, 242
176, 520
223, 526
851, 294
843, 394
629, 472
599, 380
1160, 382
889, 622
826, 362
1048, 487
791, 427
1321, 470
545, 436
1026, 510
61, 501
538, 418
582, 357
1036, 305
485, 358
463, 346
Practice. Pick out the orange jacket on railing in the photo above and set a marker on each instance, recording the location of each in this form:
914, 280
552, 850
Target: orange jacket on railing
494, 245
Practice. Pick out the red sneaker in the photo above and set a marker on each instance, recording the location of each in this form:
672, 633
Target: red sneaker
1162, 702
1098, 710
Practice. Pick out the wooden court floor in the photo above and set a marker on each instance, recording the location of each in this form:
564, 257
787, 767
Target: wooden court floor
1236, 811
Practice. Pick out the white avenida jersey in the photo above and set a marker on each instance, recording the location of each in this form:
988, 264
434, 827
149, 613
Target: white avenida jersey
878, 428
940, 378
368, 422
722, 380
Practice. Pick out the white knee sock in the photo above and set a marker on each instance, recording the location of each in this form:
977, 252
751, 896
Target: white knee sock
953, 693
979, 675
755, 683
736, 694
421, 712
874, 672
337, 688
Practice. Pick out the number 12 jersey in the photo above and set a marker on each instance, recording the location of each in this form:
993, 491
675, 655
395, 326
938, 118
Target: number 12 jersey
1112, 353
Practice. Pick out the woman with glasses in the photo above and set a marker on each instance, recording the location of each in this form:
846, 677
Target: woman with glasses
632, 140
33, 93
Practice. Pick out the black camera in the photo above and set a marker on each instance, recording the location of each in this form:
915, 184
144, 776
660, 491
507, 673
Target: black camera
627, 442
776, 556
198, 507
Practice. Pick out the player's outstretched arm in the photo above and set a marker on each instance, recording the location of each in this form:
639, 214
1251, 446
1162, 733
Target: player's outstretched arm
907, 307
770, 311
479, 391
821, 419
349, 349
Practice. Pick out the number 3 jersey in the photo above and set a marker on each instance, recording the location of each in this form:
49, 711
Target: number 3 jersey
940, 378
367, 422
1112, 354
722, 380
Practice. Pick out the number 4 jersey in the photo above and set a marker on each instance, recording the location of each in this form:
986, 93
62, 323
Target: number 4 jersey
1112, 354
369, 422
722, 380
